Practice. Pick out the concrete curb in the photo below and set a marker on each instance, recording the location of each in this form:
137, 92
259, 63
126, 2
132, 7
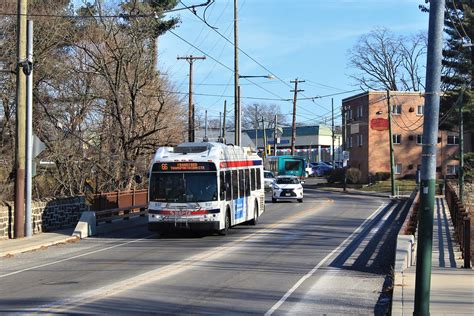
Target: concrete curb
38, 246
405, 257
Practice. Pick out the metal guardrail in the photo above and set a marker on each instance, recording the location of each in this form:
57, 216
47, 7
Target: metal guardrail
120, 204
461, 222
411, 220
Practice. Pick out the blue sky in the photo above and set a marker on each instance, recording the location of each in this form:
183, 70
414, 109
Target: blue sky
305, 39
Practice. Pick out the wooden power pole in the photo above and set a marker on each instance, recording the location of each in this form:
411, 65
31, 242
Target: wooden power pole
293, 127
190, 59
20, 150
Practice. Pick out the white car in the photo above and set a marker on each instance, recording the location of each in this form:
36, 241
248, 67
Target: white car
268, 179
287, 188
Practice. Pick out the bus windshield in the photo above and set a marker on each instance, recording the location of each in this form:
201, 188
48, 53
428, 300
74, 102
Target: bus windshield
183, 187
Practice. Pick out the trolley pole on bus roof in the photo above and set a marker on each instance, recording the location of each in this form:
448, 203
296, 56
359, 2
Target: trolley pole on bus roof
428, 158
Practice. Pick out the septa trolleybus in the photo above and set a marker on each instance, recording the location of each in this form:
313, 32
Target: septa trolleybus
204, 187
286, 165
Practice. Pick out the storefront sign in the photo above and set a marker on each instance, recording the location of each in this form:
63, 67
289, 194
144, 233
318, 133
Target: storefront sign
379, 124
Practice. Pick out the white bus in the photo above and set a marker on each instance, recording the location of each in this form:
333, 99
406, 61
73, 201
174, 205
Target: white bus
204, 187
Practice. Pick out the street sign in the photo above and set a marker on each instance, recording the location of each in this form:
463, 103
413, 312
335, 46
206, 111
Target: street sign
38, 146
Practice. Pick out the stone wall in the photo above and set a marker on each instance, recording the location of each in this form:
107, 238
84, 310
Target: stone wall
48, 215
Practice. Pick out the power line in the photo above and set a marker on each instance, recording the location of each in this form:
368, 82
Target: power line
243, 52
225, 96
106, 16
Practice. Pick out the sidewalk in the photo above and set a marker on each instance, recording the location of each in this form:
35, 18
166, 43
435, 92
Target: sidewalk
452, 287
9, 247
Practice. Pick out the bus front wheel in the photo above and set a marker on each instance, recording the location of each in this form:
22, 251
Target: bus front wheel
254, 221
225, 230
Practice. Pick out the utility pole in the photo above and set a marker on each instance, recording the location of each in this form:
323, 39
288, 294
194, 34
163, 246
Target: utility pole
264, 139
220, 126
390, 135
275, 136
236, 80
332, 129
29, 131
256, 127
344, 145
190, 59
19, 221
461, 148
293, 127
428, 158
223, 121
205, 128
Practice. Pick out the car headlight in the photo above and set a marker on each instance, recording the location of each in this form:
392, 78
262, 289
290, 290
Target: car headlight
276, 187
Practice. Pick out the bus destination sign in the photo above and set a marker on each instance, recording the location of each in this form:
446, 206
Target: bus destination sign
183, 166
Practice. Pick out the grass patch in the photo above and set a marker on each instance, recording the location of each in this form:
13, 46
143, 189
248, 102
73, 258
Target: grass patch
386, 186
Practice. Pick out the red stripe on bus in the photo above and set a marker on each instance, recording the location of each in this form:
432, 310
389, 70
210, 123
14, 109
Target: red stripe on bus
183, 212
236, 164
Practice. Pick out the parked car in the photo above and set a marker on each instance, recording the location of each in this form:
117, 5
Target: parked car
268, 179
319, 163
322, 170
287, 188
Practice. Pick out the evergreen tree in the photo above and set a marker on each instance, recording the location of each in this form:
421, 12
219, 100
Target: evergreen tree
458, 69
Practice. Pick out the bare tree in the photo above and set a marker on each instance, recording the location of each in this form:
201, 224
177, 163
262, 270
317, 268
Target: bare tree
385, 61
253, 114
99, 105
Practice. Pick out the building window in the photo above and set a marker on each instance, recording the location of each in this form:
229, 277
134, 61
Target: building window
397, 138
349, 142
359, 111
420, 110
349, 114
453, 140
360, 140
419, 139
452, 169
398, 168
396, 109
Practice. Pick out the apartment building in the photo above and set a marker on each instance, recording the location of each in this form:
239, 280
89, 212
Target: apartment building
366, 134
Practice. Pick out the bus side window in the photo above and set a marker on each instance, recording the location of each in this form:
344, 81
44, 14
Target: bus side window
241, 183
247, 182
259, 180
235, 185
228, 186
222, 186
252, 179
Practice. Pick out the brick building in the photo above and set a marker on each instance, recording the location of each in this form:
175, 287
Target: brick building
365, 126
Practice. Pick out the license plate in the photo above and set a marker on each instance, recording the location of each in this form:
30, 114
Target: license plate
287, 194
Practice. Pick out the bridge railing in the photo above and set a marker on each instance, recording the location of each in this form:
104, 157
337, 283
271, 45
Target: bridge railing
120, 205
461, 222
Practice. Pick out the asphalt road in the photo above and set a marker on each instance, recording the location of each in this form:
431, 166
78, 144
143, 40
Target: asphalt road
328, 255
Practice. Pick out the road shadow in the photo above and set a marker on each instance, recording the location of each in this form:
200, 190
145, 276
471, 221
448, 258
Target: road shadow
372, 251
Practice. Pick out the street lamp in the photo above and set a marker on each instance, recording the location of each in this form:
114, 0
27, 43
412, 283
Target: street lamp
237, 118
266, 76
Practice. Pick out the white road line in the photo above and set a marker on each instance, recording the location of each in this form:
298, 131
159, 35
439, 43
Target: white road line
74, 257
68, 304
108, 248
310, 273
